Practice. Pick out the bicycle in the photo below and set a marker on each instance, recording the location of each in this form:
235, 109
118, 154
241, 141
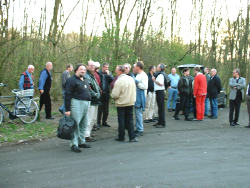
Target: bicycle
25, 108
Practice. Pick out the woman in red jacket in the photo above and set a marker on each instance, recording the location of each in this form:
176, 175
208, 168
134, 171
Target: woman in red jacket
200, 92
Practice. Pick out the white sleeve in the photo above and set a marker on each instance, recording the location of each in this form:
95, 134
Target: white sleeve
160, 79
144, 82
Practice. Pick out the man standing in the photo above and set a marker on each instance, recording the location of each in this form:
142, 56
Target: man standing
124, 94
213, 89
141, 81
45, 82
65, 76
150, 102
185, 93
77, 101
103, 109
200, 92
26, 79
159, 87
237, 85
207, 103
95, 100
172, 90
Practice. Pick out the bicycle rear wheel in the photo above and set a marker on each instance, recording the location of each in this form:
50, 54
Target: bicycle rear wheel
1, 115
29, 113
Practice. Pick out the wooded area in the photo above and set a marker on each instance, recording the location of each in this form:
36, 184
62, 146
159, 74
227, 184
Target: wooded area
38, 42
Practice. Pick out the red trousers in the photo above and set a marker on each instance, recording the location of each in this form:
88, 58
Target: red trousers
200, 107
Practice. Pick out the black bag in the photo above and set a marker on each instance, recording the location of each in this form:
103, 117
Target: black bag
66, 128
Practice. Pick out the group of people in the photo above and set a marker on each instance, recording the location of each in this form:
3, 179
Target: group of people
87, 95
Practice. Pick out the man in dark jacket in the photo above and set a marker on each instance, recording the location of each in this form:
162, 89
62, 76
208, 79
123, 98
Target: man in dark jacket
213, 89
103, 109
44, 86
185, 92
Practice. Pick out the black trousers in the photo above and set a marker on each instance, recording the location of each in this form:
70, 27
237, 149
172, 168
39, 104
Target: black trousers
234, 110
160, 96
103, 112
125, 119
194, 107
183, 105
45, 100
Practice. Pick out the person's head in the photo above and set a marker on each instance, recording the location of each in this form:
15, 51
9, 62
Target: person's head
127, 68
80, 70
69, 67
138, 67
105, 67
236, 73
161, 67
196, 70
49, 66
152, 69
206, 70
31, 69
97, 65
173, 71
186, 72
91, 66
213, 72
120, 69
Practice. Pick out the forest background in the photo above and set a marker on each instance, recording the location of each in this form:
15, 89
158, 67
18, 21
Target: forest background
214, 33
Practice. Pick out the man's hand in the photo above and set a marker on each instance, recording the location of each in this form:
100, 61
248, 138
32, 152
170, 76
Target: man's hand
107, 71
41, 91
67, 113
153, 78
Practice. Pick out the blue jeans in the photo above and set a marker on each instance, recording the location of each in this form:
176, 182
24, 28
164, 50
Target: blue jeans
214, 107
207, 106
139, 119
172, 96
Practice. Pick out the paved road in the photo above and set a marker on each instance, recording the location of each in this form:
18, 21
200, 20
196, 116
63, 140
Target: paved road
185, 154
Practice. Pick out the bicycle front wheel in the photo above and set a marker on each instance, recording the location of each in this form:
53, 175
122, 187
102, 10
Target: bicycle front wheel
30, 113
1, 115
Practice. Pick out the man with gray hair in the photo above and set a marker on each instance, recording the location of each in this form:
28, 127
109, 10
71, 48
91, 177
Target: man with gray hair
237, 85
213, 89
44, 86
26, 79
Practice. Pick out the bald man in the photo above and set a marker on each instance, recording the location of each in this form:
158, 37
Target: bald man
45, 82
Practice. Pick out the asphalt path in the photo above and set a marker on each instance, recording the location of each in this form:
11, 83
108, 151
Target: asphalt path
184, 154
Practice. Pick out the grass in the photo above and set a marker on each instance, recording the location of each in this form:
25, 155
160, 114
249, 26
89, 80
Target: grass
19, 132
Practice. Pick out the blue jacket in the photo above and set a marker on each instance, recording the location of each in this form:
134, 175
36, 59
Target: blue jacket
140, 97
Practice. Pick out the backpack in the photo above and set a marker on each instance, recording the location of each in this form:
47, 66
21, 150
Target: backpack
66, 128
167, 81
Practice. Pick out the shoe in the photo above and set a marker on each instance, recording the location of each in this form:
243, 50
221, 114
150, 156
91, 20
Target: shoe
155, 124
90, 139
210, 116
137, 134
133, 140
98, 126
50, 118
173, 110
106, 125
213, 117
76, 149
94, 129
152, 120
169, 110
188, 119
176, 117
236, 123
61, 111
119, 140
84, 146
146, 121
160, 126
232, 124
155, 118
247, 126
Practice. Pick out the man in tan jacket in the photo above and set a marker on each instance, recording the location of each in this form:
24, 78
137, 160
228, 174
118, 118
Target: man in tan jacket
124, 94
